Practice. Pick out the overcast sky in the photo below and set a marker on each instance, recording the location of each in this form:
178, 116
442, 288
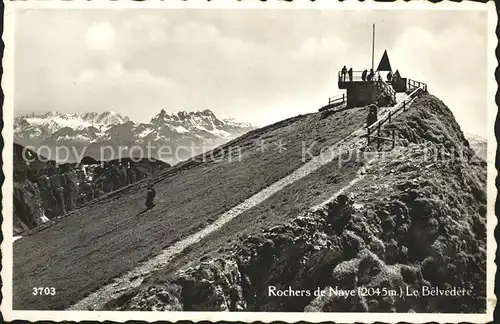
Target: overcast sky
257, 66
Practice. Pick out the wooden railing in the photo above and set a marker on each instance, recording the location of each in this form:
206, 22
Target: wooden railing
336, 99
376, 126
412, 85
358, 76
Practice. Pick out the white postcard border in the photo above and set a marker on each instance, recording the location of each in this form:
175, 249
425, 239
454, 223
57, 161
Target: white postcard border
11, 7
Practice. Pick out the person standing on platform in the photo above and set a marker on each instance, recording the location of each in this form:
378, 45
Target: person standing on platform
371, 75
343, 73
364, 75
389, 76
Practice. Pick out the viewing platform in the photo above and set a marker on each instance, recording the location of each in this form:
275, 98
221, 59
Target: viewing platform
368, 87
363, 90
398, 83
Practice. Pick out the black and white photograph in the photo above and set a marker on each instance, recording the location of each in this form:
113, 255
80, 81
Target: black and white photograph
249, 163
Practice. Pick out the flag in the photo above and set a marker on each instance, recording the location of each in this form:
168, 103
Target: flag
384, 64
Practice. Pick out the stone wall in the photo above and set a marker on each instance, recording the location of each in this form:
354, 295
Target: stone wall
361, 94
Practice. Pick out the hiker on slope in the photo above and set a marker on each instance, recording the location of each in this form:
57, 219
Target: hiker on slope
150, 196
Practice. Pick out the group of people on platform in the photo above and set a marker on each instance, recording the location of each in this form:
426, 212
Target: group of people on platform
365, 75
368, 77
345, 73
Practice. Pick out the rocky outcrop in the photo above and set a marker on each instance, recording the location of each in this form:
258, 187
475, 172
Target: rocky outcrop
44, 190
27, 204
385, 94
398, 243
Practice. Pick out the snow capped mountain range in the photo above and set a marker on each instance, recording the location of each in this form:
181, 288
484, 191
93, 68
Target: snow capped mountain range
41, 126
478, 144
109, 128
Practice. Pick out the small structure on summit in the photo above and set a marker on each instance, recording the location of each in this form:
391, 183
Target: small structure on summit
369, 87
385, 64
375, 86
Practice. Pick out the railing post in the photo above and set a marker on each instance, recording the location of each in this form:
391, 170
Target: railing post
378, 139
404, 105
393, 138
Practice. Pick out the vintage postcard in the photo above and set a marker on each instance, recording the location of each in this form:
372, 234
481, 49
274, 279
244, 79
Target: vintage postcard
247, 160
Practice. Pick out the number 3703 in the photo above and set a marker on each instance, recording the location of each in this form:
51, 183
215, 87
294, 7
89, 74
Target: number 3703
44, 291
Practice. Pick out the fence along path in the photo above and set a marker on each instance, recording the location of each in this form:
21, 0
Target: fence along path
135, 276
417, 90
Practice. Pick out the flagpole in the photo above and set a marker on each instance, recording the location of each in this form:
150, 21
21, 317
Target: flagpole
373, 47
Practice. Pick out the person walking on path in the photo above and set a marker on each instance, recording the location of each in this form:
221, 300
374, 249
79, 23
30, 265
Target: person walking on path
372, 116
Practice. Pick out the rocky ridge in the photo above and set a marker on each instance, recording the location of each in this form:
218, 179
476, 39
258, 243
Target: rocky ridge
417, 219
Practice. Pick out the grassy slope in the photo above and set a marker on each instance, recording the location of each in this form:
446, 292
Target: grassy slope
290, 202
109, 236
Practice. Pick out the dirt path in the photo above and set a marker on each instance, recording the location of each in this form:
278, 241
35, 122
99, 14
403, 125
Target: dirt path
134, 277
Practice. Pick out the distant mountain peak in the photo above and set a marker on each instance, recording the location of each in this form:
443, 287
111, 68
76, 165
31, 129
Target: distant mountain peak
473, 136
181, 115
51, 114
